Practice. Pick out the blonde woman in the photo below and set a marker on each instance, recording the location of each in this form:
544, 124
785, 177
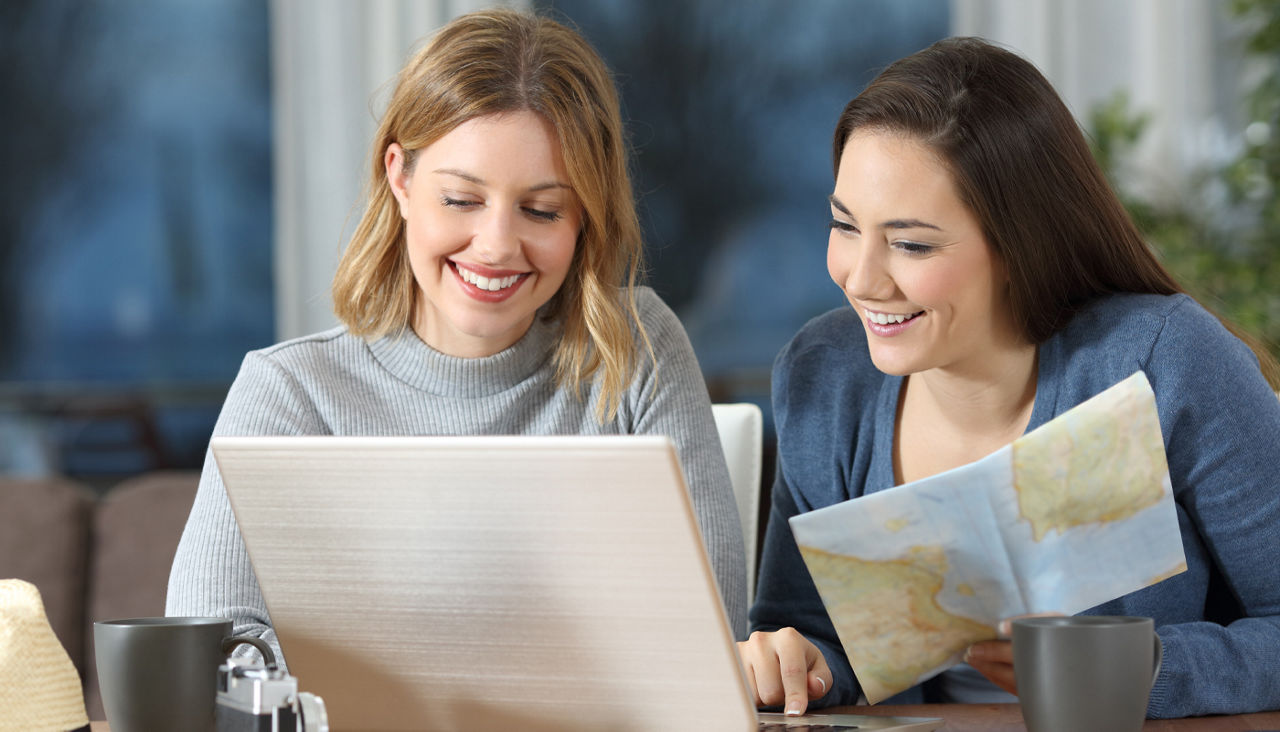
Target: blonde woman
490, 288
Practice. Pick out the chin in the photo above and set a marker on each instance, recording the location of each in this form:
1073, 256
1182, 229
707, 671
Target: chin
492, 331
893, 366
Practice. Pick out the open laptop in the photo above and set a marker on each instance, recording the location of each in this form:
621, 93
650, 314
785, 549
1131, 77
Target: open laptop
492, 583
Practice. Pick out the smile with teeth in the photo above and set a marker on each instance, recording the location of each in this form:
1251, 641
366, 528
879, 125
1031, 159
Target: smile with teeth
492, 284
889, 318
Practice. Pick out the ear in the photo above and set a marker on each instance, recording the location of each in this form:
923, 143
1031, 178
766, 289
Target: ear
394, 160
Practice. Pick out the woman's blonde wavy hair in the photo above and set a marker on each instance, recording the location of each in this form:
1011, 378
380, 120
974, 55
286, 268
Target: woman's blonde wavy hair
493, 62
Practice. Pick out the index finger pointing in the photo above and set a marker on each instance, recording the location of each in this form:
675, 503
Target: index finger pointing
794, 666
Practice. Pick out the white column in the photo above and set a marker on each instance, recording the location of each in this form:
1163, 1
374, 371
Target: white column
333, 66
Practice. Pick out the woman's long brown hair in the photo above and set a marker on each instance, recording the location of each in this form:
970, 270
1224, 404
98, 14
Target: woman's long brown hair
1021, 163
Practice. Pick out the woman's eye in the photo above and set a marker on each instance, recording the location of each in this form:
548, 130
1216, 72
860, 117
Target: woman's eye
541, 215
458, 202
843, 227
913, 248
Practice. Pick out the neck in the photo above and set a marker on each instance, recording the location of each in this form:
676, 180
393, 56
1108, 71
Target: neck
994, 397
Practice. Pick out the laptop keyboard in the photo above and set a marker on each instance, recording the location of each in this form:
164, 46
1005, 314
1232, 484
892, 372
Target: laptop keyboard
782, 727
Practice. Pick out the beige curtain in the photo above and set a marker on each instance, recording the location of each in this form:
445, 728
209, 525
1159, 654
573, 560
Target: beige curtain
1179, 61
332, 64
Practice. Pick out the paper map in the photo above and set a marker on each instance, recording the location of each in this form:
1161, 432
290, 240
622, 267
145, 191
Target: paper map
1073, 514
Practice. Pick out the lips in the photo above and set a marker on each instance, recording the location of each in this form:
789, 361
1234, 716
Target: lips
490, 286
889, 324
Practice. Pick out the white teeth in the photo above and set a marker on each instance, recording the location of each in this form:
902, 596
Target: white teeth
486, 283
885, 318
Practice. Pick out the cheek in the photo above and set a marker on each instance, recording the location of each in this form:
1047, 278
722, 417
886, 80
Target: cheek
428, 233
567, 250
837, 267
939, 286
933, 288
427, 242
415, 248
420, 261
555, 252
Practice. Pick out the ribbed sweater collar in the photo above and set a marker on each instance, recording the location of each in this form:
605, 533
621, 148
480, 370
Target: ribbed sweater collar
425, 368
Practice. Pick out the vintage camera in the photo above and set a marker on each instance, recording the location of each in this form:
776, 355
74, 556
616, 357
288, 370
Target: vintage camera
262, 698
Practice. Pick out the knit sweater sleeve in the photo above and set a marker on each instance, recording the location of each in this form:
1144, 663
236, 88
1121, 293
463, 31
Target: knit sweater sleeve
211, 573
1222, 430
669, 397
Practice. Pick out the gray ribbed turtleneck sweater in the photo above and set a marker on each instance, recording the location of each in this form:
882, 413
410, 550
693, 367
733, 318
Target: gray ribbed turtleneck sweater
336, 383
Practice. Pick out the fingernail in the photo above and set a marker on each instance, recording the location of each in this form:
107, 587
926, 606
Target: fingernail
824, 684
970, 653
793, 709
1005, 629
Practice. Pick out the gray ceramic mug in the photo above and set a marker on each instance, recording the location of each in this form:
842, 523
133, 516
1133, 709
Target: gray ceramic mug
159, 674
1088, 672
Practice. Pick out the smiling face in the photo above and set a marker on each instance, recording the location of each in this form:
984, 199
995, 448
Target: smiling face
491, 225
912, 259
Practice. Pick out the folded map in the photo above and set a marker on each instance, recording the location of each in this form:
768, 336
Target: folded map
1073, 514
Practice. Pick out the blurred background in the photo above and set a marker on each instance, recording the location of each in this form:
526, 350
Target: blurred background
179, 176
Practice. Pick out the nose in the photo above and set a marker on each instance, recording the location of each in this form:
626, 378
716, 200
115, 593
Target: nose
496, 241
859, 268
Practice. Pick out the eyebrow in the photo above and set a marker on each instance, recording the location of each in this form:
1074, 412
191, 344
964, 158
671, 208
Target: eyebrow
891, 223
480, 181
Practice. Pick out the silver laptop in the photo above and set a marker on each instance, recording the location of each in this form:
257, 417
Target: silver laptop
491, 583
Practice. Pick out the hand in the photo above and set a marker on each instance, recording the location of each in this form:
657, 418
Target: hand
784, 668
994, 658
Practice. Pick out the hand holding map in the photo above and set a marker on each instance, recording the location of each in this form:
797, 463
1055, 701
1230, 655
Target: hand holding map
1073, 514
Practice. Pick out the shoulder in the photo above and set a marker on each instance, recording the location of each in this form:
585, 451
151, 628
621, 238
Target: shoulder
1201, 373
334, 343
275, 388
1134, 322
313, 359
654, 313
831, 349
839, 329
824, 365
1163, 335
662, 327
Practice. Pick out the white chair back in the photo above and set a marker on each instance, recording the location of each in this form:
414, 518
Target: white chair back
741, 428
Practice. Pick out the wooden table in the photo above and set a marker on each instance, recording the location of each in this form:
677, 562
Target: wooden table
1008, 718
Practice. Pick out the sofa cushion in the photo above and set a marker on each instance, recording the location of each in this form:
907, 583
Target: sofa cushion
136, 529
45, 541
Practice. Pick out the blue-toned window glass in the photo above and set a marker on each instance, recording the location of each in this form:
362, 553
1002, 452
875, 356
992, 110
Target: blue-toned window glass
135, 227
730, 108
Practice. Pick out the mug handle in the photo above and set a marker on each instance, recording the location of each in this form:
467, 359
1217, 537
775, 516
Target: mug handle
1159, 659
269, 656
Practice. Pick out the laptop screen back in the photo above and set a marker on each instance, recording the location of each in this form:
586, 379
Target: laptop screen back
529, 583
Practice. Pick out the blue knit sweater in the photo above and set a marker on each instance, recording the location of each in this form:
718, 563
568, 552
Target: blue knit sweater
1219, 620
